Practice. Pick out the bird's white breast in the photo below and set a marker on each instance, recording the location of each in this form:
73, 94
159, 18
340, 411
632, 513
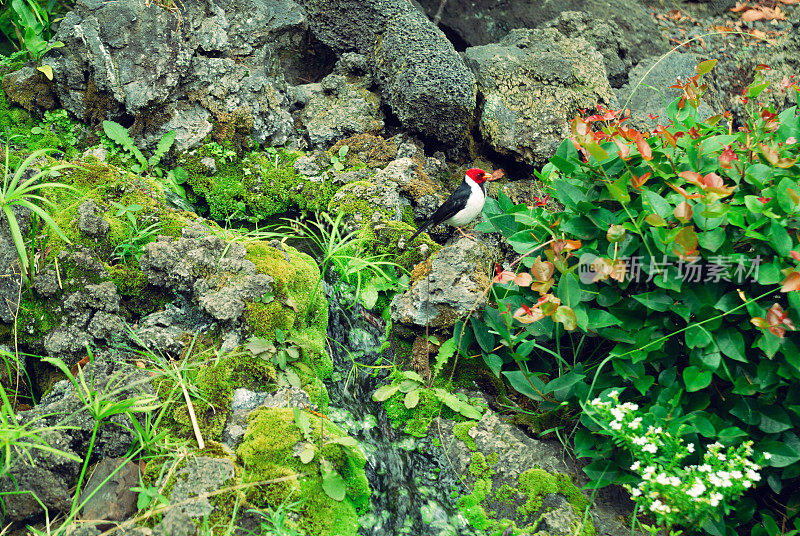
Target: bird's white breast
473, 208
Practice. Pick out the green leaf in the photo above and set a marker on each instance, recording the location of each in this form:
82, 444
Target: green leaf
517, 380
644, 383
413, 376
785, 201
782, 454
164, 145
712, 240
658, 203
780, 238
307, 454
731, 343
696, 379
569, 290
619, 190
599, 318
482, 335
385, 392
705, 66
411, 399
657, 301
564, 382
566, 316
774, 421
494, 362
333, 484
345, 441
408, 385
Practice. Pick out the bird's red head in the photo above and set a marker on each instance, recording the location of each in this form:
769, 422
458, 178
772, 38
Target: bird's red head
477, 175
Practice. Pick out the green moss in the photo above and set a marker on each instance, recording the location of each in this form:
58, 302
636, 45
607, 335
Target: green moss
384, 236
360, 200
254, 187
267, 451
299, 306
461, 431
537, 483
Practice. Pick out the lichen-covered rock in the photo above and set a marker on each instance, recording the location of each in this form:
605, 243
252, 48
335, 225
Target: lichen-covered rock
517, 480
360, 201
480, 22
90, 220
452, 288
222, 62
30, 88
422, 78
533, 83
605, 36
340, 110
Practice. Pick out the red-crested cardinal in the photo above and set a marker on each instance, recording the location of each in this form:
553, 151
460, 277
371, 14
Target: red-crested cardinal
463, 205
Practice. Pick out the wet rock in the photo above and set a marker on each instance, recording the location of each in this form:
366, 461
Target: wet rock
453, 288
10, 272
30, 89
110, 497
533, 83
660, 73
90, 221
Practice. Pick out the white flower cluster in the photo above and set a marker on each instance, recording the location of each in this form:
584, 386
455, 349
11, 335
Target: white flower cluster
672, 492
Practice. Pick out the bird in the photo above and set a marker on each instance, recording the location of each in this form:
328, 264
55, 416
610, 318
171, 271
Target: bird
463, 205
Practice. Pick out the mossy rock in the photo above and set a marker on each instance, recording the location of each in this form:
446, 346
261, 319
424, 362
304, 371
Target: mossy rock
254, 187
384, 236
299, 306
366, 150
268, 452
361, 201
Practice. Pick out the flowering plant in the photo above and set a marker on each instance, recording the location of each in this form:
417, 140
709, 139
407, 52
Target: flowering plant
673, 270
672, 492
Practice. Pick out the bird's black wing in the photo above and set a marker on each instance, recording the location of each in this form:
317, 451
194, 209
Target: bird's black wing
448, 209
454, 203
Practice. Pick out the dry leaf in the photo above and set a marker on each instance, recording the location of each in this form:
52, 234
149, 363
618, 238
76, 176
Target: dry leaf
753, 15
291, 303
739, 7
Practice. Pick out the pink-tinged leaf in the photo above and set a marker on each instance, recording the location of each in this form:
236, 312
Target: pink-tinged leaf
566, 316
504, 277
542, 270
644, 148
683, 212
795, 255
686, 240
526, 315
624, 149
655, 220
792, 282
523, 279
638, 182
683, 192
759, 322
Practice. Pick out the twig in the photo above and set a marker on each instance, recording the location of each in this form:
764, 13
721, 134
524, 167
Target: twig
438, 16
189, 406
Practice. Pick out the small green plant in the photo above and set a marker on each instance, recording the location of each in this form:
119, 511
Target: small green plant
215, 149
674, 493
144, 166
26, 24
333, 484
276, 520
284, 350
19, 191
132, 247
413, 385
337, 160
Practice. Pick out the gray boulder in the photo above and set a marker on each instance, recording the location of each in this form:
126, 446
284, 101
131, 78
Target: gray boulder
648, 91
219, 62
533, 83
422, 78
453, 289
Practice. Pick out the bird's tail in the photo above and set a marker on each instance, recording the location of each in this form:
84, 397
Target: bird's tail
422, 229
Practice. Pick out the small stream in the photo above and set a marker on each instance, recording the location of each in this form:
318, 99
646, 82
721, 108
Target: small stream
412, 483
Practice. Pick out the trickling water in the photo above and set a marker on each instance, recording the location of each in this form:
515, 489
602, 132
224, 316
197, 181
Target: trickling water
412, 484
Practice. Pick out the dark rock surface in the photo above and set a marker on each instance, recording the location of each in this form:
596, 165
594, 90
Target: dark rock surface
108, 494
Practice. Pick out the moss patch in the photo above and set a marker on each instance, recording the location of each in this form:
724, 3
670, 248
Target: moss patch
267, 453
254, 187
